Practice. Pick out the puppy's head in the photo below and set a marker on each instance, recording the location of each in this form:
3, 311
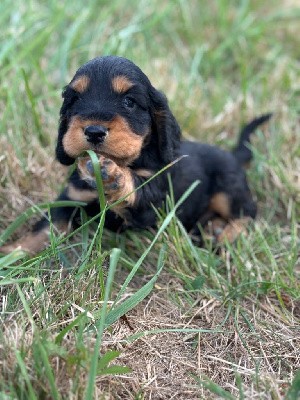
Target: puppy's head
111, 107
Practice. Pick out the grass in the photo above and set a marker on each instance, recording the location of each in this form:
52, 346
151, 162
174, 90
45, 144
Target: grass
200, 323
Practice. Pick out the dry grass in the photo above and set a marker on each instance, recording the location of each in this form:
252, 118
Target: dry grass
259, 335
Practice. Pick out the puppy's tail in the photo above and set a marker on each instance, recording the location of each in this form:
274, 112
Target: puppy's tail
242, 152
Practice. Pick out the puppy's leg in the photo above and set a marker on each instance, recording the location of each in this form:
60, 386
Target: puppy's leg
236, 213
234, 229
61, 218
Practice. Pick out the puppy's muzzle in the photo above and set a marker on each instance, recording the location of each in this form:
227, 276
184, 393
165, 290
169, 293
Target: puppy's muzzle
95, 134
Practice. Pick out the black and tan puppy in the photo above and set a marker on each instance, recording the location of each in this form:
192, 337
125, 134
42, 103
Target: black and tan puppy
111, 107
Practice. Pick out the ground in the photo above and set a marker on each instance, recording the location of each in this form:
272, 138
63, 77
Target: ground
199, 322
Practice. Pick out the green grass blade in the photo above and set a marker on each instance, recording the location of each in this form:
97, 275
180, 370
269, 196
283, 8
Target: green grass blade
48, 370
98, 177
97, 236
214, 388
114, 258
107, 358
294, 391
26, 306
63, 332
25, 375
5, 282
11, 258
116, 312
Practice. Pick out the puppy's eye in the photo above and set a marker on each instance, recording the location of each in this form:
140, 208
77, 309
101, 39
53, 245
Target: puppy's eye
129, 102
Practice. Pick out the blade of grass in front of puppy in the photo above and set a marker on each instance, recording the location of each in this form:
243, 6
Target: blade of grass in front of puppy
96, 166
214, 388
84, 232
59, 338
115, 313
294, 390
7, 282
97, 234
10, 259
24, 373
114, 258
43, 354
100, 189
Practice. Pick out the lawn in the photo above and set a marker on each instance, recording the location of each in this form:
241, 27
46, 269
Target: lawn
151, 315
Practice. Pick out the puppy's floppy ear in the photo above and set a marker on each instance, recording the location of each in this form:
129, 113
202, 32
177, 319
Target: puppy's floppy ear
69, 97
164, 126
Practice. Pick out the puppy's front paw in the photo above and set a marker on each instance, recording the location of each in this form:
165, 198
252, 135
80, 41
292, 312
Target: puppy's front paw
234, 229
117, 181
111, 174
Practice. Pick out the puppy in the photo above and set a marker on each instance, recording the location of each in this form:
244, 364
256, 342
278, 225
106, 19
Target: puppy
111, 107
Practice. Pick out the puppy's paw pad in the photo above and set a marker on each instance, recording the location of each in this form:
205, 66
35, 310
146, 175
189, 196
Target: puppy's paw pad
90, 167
106, 161
217, 231
104, 173
113, 186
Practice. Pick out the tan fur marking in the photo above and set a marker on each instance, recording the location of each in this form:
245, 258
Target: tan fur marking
81, 84
144, 173
33, 242
121, 144
81, 195
126, 187
219, 203
232, 230
74, 140
121, 84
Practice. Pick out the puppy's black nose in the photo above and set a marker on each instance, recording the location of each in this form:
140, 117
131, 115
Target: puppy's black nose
95, 134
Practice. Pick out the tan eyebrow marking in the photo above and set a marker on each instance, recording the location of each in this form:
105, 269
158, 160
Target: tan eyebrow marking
81, 84
121, 84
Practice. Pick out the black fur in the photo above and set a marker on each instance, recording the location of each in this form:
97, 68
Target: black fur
242, 152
